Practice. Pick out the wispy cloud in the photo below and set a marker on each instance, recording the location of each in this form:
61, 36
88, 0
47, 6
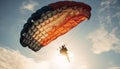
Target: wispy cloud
28, 5
106, 4
106, 11
117, 16
10, 59
105, 38
114, 68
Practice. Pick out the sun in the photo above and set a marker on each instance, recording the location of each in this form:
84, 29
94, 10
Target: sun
61, 61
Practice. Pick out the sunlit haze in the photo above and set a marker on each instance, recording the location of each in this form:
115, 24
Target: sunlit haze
93, 44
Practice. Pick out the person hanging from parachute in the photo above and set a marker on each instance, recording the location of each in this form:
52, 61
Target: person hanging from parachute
63, 51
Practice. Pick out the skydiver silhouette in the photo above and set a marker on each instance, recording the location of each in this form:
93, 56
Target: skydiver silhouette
63, 51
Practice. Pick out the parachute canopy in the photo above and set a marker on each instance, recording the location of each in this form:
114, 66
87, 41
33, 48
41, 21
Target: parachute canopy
52, 21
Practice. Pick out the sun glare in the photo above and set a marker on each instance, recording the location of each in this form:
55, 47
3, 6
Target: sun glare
61, 61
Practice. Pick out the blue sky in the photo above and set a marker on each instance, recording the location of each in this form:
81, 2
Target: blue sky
94, 44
